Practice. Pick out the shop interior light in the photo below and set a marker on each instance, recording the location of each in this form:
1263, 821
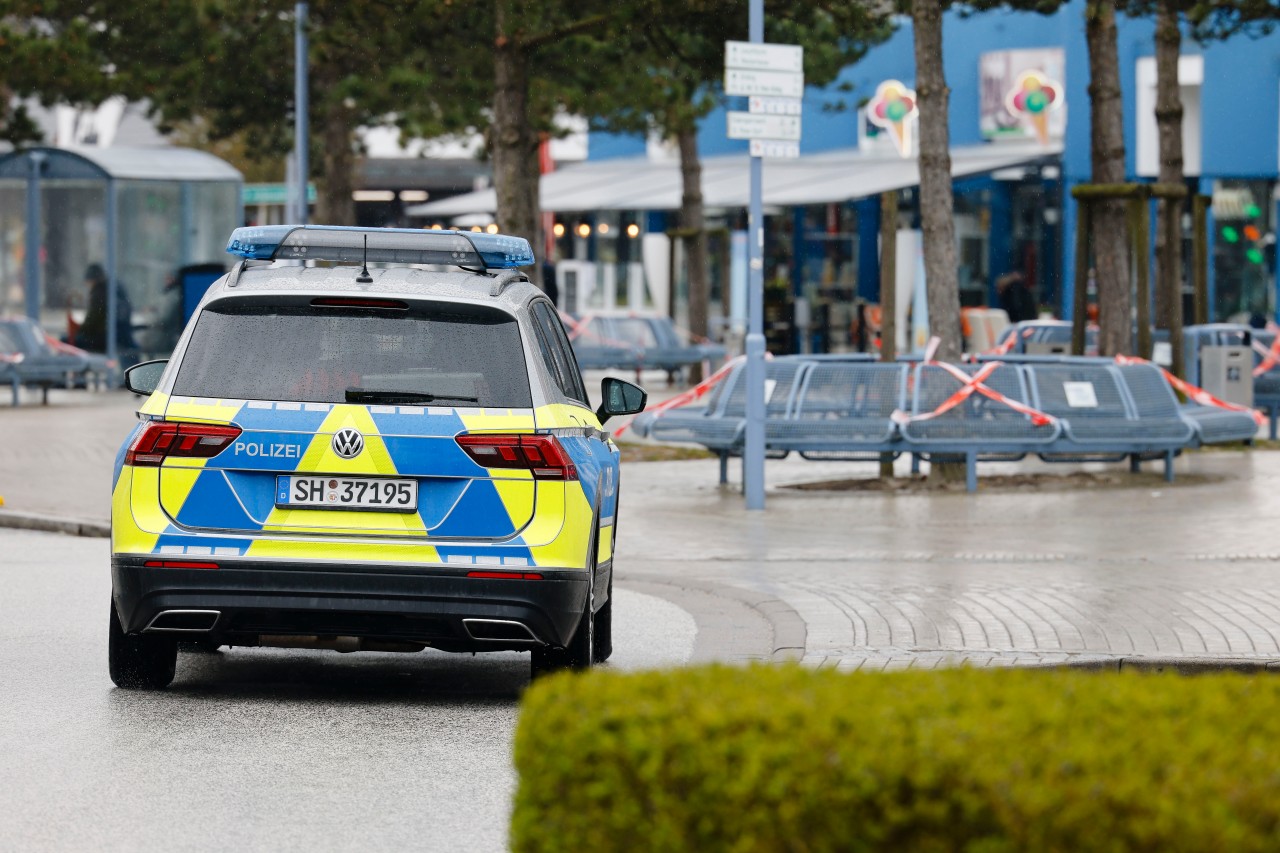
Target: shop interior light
558, 229
584, 230
633, 230
604, 227
491, 228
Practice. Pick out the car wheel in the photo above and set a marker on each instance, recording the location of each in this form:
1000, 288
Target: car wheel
581, 651
142, 662
603, 624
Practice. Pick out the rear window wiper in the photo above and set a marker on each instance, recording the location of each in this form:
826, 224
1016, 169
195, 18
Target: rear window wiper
367, 395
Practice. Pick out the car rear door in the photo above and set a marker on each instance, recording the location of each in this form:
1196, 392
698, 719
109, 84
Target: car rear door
310, 450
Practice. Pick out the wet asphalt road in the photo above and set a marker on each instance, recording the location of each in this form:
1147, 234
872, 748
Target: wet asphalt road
254, 749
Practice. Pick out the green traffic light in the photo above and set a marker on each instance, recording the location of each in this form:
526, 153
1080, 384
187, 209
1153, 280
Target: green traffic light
1254, 256
1230, 234
1252, 211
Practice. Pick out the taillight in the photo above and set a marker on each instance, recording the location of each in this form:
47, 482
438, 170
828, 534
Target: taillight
160, 440
542, 455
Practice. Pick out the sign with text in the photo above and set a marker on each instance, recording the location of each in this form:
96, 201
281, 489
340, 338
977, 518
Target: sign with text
771, 148
764, 57
775, 106
773, 84
756, 126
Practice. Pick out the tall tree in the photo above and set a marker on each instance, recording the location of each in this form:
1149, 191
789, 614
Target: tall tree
1106, 115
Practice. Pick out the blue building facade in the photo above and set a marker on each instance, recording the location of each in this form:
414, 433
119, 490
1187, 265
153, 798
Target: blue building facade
1232, 91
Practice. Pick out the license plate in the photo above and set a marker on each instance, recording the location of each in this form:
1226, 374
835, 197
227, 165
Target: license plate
390, 495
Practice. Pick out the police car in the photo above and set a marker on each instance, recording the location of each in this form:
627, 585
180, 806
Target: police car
383, 458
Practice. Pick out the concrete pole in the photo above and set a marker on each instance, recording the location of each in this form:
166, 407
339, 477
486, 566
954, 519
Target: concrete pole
301, 128
753, 452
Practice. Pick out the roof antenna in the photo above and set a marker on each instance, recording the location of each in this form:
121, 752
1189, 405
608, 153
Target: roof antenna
364, 277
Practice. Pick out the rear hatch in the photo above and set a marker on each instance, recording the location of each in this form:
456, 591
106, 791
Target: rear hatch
349, 411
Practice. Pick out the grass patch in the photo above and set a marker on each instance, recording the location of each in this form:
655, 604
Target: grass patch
662, 453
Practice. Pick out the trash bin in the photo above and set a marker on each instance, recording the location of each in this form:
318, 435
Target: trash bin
1226, 372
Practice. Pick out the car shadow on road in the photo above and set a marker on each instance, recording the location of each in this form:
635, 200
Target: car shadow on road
428, 677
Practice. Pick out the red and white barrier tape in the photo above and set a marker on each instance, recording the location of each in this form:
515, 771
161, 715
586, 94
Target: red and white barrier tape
969, 385
1199, 395
1270, 357
1011, 342
695, 393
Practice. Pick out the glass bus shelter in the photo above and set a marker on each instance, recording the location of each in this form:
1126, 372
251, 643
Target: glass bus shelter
137, 218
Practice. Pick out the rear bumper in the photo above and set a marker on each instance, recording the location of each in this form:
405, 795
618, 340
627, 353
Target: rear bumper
385, 603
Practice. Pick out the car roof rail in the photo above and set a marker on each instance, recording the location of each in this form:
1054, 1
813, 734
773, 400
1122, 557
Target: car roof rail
472, 251
504, 278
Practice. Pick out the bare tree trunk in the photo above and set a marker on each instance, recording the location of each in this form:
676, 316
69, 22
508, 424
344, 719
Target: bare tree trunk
888, 294
1169, 211
514, 144
937, 221
695, 241
936, 203
1106, 113
889, 276
334, 205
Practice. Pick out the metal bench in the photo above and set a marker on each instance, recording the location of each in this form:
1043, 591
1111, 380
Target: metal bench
721, 424
1109, 412
842, 411
978, 429
41, 366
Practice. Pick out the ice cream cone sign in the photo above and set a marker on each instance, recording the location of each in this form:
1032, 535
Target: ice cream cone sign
892, 109
1031, 99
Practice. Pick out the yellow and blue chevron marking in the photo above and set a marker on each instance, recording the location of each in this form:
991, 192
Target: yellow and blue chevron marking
467, 515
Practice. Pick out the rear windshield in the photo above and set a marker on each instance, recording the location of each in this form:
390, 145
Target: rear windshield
453, 355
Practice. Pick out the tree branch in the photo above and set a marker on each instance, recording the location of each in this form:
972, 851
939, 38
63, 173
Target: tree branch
554, 35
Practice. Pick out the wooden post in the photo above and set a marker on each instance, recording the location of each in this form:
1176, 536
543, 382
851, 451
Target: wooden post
1080, 302
1200, 255
1139, 239
888, 293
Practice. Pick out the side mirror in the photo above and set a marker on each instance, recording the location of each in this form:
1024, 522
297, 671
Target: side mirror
620, 397
145, 378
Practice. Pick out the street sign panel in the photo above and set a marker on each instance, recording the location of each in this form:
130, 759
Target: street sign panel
775, 106
763, 57
776, 84
772, 148
756, 126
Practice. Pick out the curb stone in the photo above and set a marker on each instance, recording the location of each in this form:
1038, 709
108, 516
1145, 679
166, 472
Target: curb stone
54, 524
788, 629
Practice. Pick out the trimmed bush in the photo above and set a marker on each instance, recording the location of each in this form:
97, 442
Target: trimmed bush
790, 759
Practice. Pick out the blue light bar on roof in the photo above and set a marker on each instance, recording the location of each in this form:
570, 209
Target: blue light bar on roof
385, 246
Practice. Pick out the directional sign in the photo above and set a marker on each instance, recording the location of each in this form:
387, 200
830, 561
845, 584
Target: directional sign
775, 106
763, 57
755, 126
770, 148
774, 84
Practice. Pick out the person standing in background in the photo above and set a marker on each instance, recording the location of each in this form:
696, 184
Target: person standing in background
1016, 298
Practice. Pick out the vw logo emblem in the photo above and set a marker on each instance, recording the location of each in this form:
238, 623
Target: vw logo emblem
348, 443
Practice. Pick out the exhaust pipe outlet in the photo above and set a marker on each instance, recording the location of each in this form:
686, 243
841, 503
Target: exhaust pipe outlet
336, 644
184, 621
500, 631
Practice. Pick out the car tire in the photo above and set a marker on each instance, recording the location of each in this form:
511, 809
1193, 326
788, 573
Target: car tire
580, 653
141, 662
603, 625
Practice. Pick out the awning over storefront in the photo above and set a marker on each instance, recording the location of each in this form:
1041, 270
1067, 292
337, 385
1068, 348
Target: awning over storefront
638, 183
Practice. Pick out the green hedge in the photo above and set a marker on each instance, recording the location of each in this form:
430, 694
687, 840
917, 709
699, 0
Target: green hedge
791, 759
